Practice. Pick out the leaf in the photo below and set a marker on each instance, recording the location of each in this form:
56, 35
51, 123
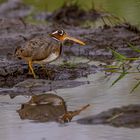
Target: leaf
118, 56
133, 48
119, 78
135, 86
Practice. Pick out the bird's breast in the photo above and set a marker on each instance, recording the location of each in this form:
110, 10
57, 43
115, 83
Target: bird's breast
53, 56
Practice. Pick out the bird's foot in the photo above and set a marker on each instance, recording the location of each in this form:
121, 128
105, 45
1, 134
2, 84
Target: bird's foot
32, 74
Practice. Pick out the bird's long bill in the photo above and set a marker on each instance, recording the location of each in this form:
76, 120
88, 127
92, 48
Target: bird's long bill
75, 40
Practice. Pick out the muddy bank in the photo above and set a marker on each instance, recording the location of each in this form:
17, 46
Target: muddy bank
126, 116
38, 86
15, 33
115, 37
13, 72
15, 80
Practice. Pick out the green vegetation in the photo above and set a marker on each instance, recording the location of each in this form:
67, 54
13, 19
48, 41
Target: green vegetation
1, 1
123, 66
129, 9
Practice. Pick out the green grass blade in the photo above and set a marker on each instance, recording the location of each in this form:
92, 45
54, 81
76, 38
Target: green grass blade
119, 78
117, 55
135, 87
132, 58
133, 48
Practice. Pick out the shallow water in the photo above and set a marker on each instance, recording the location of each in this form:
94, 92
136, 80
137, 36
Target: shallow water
98, 94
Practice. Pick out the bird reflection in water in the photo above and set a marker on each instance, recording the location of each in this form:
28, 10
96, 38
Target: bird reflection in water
47, 107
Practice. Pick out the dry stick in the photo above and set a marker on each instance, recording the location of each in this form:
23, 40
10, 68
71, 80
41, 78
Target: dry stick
115, 116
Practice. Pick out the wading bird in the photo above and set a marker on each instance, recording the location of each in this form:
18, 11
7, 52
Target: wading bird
42, 50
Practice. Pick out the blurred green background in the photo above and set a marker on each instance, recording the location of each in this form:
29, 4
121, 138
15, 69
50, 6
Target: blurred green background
130, 9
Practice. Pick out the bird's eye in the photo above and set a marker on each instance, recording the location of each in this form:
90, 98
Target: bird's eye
60, 32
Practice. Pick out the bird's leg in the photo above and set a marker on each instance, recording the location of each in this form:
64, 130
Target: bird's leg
31, 69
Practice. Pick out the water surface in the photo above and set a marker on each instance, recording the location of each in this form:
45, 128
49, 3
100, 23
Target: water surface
98, 94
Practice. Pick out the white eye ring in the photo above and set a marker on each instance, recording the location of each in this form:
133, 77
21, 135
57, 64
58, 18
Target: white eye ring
60, 32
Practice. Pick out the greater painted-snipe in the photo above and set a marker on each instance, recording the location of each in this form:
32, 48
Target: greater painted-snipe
42, 50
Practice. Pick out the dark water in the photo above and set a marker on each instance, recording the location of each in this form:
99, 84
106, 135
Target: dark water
128, 9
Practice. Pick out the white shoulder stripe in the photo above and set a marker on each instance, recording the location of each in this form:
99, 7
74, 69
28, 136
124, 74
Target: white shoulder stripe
55, 32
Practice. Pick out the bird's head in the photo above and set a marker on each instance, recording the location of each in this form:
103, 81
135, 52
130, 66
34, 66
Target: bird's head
61, 35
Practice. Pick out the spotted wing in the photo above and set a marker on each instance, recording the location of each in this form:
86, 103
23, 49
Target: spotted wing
39, 48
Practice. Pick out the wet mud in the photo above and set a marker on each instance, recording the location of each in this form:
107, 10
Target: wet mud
13, 72
39, 86
15, 33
